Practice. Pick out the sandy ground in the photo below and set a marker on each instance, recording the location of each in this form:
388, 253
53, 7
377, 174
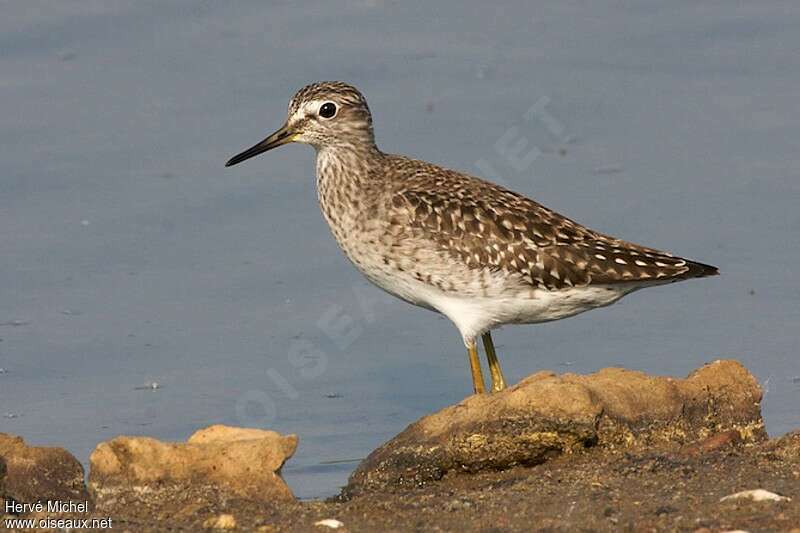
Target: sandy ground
652, 490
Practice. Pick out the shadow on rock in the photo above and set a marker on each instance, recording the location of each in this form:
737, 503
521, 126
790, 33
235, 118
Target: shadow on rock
30, 474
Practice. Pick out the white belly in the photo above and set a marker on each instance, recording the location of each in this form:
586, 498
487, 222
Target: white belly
475, 313
474, 316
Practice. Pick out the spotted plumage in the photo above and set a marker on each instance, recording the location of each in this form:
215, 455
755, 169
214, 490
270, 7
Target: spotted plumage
476, 252
486, 226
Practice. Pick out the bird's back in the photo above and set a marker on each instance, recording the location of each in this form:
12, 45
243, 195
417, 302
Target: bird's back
487, 227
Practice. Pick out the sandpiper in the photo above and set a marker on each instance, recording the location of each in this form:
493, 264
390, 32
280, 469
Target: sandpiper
477, 253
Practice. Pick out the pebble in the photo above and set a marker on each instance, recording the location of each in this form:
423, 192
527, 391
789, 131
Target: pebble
329, 522
757, 495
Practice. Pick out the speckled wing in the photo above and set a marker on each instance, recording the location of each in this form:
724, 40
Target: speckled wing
486, 226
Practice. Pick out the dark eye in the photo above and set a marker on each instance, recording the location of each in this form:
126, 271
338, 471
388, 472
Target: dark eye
327, 110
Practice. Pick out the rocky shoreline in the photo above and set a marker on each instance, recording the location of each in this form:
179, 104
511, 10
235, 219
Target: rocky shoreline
613, 450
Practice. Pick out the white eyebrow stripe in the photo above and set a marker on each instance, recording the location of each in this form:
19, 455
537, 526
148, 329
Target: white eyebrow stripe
308, 109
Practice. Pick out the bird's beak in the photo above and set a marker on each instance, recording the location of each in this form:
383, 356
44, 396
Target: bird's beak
283, 136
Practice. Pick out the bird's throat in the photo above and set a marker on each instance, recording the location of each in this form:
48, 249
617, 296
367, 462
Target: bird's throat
344, 175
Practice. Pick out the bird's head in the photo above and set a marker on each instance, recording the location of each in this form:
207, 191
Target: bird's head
324, 114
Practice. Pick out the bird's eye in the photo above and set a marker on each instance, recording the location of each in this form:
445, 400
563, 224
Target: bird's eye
327, 110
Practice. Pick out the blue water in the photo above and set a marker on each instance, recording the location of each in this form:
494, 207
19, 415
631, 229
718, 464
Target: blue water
132, 257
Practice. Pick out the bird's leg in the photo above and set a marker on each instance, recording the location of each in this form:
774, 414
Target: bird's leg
498, 383
475, 365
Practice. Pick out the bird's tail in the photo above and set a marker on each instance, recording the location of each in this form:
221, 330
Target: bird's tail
699, 270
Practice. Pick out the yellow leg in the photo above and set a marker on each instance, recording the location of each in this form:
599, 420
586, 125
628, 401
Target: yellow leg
475, 365
498, 383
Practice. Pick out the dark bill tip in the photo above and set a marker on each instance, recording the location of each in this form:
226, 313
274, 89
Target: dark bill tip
280, 137
247, 154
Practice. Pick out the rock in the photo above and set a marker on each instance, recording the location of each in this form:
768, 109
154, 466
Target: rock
241, 461
787, 447
547, 415
223, 521
714, 442
30, 474
757, 495
330, 523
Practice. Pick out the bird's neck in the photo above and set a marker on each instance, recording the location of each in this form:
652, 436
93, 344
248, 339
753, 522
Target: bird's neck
345, 175
345, 166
